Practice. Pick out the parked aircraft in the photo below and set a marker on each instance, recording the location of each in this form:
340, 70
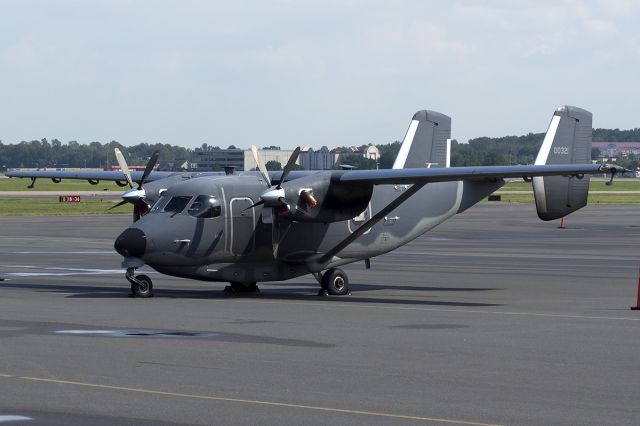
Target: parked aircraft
248, 227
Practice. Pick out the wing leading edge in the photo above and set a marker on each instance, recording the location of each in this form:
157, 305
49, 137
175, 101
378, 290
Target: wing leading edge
115, 175
411, 176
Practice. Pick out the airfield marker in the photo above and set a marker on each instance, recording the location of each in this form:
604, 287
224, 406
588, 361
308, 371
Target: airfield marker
561, 223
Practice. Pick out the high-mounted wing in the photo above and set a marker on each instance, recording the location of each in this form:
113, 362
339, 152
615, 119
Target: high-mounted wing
91, 177
409, 176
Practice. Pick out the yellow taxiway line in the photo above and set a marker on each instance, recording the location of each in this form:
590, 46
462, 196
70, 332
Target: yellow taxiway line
243, 401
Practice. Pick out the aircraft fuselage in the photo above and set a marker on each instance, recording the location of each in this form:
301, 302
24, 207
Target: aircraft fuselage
252, 244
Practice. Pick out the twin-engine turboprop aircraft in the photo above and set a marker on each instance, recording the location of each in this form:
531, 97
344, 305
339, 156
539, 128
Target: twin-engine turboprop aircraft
248, 227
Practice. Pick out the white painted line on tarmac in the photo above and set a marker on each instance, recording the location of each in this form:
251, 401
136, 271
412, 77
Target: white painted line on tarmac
12, 418
60, 252
65, 271
494, 254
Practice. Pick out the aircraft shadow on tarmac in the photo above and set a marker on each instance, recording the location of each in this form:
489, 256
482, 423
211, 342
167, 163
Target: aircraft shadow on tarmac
365, 287
299, 292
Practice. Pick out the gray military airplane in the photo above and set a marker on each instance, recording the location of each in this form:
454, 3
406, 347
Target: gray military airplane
249, 227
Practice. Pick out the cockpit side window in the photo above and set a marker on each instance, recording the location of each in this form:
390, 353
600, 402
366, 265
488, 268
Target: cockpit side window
177, 204
159, 205
205, 206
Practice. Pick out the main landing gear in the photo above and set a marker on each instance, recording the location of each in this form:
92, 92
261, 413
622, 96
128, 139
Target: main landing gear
141, 285
239, 287
334, 282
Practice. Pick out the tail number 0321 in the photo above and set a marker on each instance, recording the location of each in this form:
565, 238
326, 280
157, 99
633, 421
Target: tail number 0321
561, 150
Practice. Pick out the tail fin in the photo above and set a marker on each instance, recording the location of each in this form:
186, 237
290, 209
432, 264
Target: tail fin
427, 142
568, 140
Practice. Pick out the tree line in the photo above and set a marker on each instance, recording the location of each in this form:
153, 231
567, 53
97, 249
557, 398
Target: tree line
42, 153
483, 151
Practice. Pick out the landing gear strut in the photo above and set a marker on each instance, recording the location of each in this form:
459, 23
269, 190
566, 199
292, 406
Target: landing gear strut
239, 287
334, 282
141, 285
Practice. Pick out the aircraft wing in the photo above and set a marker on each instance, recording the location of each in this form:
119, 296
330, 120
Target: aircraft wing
426, 175
94, 176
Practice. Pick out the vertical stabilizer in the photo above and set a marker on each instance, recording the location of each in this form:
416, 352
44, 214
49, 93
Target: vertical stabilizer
568, 141
425, 143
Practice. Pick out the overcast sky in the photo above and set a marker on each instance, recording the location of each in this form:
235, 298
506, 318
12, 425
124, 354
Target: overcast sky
311, 73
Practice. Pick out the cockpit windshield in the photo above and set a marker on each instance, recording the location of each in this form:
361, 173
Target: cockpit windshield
171, 204
205, 206
177, 204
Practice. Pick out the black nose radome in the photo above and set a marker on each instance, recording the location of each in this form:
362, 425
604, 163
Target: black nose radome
131, 243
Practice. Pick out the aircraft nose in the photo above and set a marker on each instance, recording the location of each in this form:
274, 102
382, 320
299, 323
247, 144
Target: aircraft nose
131, 243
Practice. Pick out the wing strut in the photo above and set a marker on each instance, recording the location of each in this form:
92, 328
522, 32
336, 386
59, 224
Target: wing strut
371, 222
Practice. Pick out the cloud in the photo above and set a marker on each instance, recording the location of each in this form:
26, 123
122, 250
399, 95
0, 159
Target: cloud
22, 54
601, 26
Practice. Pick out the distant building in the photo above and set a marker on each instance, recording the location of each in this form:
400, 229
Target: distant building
214, 159
621, 150
266, 155
342, 155
217, 159
322, 159
371, 152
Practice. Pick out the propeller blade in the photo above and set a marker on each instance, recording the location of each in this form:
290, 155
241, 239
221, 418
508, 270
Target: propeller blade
124, 167
254, 205
121, 203
150, 165
261, 167
287, 168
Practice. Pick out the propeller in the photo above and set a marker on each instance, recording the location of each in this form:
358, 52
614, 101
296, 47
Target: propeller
273, 196
261, 167
135, 196
289, 166
124, 167
150, 165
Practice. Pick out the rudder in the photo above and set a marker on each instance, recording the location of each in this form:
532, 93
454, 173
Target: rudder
427, 142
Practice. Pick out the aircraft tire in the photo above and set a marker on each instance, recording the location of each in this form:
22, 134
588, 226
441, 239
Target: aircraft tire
335, 282
239, 287
142, 290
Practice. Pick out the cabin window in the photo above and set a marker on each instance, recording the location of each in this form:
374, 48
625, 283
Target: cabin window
205, 206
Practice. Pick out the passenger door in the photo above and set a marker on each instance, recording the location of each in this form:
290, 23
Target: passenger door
243, 223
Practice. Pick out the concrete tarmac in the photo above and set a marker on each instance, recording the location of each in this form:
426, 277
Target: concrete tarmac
495, 317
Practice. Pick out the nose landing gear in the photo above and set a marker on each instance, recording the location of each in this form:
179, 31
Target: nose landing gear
334, 282
141, 285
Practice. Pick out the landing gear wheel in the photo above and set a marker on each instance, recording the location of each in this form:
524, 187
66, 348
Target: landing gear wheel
239, 287
142, 286
335, 282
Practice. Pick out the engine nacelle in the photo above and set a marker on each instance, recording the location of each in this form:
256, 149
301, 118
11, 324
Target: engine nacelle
314, 198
